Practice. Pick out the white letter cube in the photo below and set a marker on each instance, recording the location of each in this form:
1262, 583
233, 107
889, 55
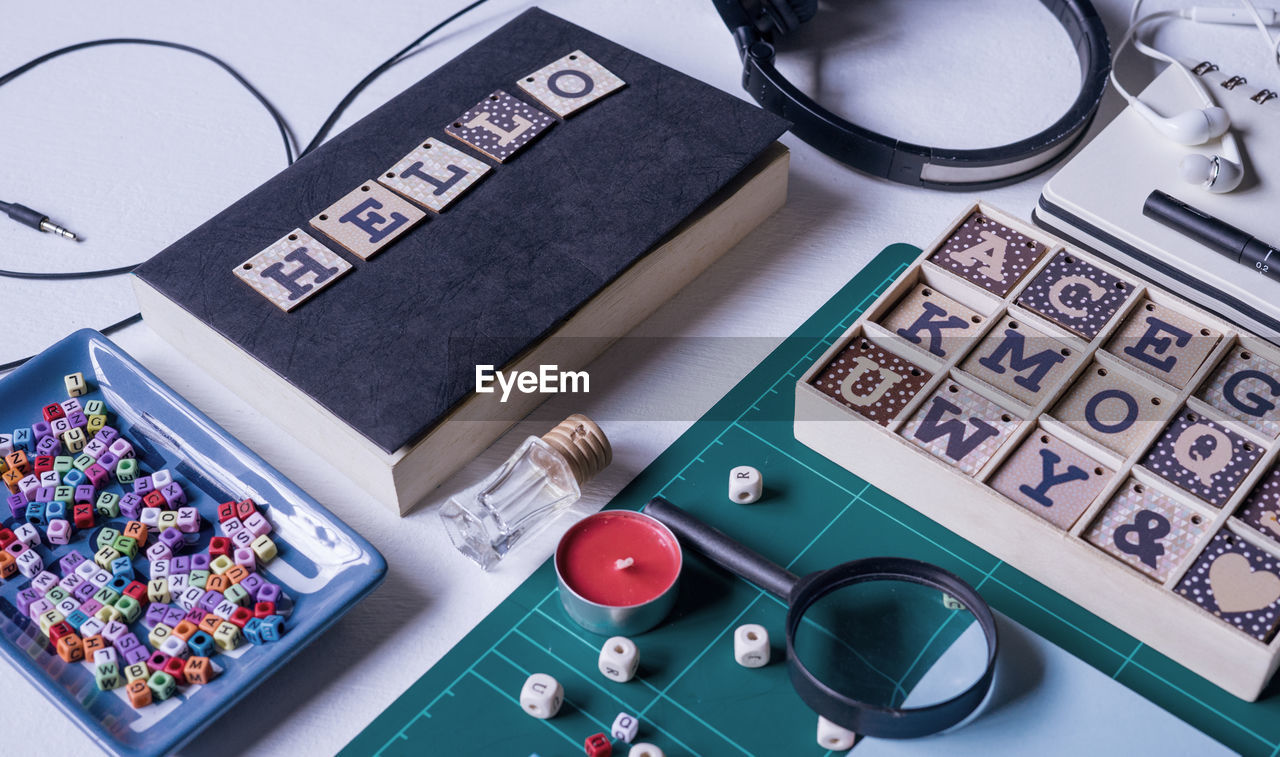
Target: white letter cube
834, 738
625, 727
645, 750
751, 646
619, 659
746, 485
541, 696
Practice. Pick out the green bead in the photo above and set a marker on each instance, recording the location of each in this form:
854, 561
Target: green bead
107, 597
129, 608
127, 470
162, 685
108, 504
236, 595
65, 494
104, 557
107, 676
82, 462
106, 537
126, 545
94, 407
56, 594
198, 578
62, 463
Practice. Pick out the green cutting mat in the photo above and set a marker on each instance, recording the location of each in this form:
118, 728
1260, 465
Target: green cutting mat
690, 695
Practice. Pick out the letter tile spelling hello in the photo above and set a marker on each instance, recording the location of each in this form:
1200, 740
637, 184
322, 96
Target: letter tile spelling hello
571, 83
871, 381
1051, 479
434, 174
367, 219
1146, 529
1163, 342
292, 270
1261, 509
1202, 457
960, 426
1075, 294
499, 125
932, 321
1111, 408
1237, 582
989, 254
1247, 388
1019, 360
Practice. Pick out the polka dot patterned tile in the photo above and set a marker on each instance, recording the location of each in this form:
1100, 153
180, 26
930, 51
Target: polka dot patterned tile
871, 381
1161, 341
499, 125
1020, 361
571, 83
368, 219
434, 174
1247, 388
989, 254
960, 426
1202, 457
1147, 530
1051, 479
292, 270
933, 321
1261, 509
1237, 582
1112, 409
1075, 294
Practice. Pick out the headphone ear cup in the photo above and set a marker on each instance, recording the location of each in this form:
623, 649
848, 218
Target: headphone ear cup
788, 15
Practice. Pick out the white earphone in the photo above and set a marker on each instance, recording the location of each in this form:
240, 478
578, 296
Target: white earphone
1216, 173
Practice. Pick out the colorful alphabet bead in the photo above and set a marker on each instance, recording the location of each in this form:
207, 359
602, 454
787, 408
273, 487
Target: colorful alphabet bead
1075, 294
291, 270
960, 426
988, 253
499, 125
1051, 479
571, 83
871, 381
1202, 457
1237, 582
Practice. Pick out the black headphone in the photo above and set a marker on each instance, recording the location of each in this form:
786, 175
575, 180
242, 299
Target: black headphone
756, 23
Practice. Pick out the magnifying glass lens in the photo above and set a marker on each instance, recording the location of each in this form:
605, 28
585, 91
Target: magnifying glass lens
892, 643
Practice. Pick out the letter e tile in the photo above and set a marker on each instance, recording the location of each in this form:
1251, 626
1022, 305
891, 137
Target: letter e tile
932, 321
989, 254
1247, 388
292, 270
871, 381
1075, 294
571, 83
367, 219
1202, 457
1146, 530
434, 174
1051, 479
960, 426
1163, 342
499, 125
1237, 582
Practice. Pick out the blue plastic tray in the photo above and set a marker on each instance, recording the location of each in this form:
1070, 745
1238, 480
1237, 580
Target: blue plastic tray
324, 566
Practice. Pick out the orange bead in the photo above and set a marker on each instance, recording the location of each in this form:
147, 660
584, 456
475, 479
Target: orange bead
184, 630
217, 582
8, 565
137, 531
93, 644
210, 623
199, 670
71, 648
139, 693
236, 574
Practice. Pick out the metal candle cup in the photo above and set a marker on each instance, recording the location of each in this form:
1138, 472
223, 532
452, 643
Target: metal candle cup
618, 572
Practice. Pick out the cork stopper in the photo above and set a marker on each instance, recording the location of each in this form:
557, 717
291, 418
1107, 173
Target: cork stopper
582, 444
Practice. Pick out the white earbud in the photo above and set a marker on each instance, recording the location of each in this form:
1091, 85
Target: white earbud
1216, 173
1192, 127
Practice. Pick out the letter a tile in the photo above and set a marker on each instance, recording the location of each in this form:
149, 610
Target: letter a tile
367, 219
1020, 361
1146, 530
292, 270
571, 83
499, 125
1075, 294
1247, 388
989, 254
932, 321
434, 175
1051, 479
871, 381
1202, 457
960, 426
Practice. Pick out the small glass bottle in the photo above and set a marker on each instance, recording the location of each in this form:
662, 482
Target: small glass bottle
543, 477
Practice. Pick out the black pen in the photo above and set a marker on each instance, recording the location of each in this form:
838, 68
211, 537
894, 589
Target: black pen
1217, 235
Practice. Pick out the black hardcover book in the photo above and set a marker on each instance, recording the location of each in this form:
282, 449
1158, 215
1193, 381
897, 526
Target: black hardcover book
390, 348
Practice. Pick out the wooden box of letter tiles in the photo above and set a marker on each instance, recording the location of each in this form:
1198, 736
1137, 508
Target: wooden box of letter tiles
1109, 439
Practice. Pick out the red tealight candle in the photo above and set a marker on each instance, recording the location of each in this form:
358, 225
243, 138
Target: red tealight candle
618, 572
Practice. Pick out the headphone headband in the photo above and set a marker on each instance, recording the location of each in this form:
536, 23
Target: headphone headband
905, 162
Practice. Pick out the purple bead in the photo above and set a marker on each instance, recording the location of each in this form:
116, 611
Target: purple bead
97, 475
77, 419
174, 495
142, 485
179, 564
128, 641
269, 592
70, 562
44, 494
84, 493
107, 434
48, 446
84, 592
25, 598
155, 614
131, 506
108, 460
17, 505
198, 561
90, 606
210, 600
195, 616
134, 655
173, 615
252, 583
41, 429
173, 539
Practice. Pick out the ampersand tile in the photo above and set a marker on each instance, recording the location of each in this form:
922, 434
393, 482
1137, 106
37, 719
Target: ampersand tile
1051, 479
871, 381
960, 426
1237, 582
1146, 529
1159, 340
499, 125
1075, 294
988, 253
1202, 457
1246, 387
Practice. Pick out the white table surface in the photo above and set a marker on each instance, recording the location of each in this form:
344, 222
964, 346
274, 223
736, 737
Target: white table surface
132, 147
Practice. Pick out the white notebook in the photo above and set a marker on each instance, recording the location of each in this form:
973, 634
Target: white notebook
1096, 199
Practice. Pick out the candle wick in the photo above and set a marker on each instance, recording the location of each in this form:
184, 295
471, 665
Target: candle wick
624, 563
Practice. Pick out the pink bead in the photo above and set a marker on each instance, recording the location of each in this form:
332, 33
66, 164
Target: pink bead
245, 557
59, 532
97, 475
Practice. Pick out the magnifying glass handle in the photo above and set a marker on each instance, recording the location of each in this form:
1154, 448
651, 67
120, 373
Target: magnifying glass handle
721, 549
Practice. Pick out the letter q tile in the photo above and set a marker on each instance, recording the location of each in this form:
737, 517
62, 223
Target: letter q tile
1202, 457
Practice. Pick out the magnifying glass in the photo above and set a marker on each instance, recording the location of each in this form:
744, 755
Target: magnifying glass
885, 646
